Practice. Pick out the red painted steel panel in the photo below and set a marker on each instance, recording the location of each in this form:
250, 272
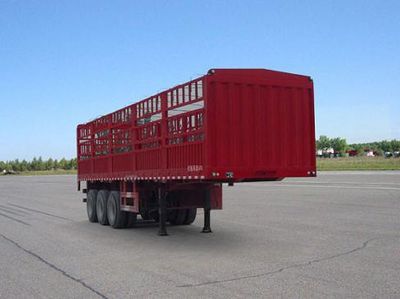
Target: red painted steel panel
229, 125
261, 125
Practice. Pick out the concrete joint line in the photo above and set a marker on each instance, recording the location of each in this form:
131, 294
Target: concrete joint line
305, 264
54, 267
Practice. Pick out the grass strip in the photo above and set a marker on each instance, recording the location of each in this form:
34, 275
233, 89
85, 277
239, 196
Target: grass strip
358, 163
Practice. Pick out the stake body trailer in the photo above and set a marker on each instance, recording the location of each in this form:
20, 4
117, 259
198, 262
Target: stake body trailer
169, 154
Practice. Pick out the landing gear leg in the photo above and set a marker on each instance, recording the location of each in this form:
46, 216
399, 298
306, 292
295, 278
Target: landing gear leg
207, 210
162, 211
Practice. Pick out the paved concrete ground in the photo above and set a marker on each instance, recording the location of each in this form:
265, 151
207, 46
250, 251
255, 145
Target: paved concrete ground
334, 236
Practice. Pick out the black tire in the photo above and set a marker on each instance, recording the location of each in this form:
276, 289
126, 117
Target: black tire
171, 215
190, 216
101, 207
145, 215
179, 217
155, 215
116, 218
131, 219
91, 205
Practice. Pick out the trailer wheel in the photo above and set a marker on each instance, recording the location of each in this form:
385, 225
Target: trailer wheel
91, 205
190, 216
116, 218
131, 219
101, 207
145, 215
178, 217
171, 215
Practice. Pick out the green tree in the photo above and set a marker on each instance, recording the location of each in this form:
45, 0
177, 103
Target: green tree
385, 146
24, 165
11, 165
68, 165
359, 148
16, 165
7, 166
34, 164
339, 145
395, 144
323, 143
49, 164
74, 163
62, 164
41, 164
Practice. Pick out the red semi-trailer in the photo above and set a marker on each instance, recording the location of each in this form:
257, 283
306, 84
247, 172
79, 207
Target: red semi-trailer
168, 155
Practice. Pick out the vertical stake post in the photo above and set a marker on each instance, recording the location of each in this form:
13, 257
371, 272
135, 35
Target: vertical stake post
162, 211
207, 210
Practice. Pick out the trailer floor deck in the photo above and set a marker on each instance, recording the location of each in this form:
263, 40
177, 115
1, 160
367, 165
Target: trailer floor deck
337, 235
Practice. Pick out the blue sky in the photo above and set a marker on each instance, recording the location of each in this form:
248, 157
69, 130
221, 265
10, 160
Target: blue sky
65, 62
